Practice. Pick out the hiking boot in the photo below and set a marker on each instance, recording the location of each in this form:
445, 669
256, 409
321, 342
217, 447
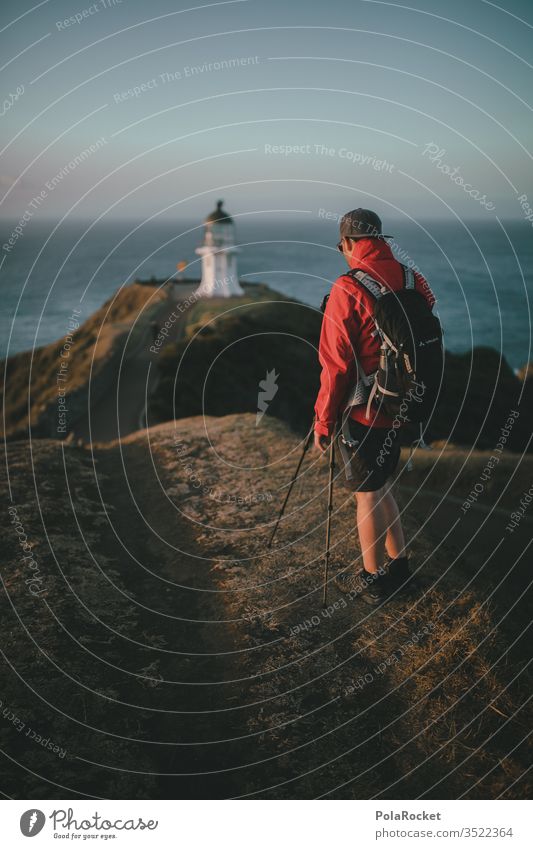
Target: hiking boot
399, 577
370, 587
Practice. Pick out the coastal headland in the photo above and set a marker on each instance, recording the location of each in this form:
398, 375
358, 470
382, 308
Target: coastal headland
169, 653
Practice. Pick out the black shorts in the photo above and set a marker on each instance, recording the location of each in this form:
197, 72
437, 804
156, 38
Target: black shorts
368, 455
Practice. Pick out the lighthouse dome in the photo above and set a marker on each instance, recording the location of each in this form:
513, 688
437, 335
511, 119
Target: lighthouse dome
219, 215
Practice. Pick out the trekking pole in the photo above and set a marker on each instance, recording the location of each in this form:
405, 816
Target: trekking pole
328, 523
300, 461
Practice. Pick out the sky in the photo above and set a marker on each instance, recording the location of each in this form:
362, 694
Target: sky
131, 109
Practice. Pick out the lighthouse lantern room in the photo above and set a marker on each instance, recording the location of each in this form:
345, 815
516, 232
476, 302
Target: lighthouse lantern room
219, 256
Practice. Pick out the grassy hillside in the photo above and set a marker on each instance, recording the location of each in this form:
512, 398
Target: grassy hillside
31, 384
229, 345
479, 391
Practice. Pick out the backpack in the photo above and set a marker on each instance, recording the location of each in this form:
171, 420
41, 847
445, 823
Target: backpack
411, 361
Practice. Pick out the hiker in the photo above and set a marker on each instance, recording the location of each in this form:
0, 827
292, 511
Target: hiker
367, 439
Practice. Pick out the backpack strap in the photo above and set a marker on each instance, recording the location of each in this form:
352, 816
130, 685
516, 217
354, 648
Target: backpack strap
368, 282
375, 288
359, 394
408, 277
372, 286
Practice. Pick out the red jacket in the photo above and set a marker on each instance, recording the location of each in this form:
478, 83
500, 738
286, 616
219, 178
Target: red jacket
346, 333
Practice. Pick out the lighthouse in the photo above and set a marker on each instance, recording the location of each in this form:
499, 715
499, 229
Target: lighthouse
219, 256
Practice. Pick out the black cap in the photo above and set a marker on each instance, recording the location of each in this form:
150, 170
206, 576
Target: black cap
361, 224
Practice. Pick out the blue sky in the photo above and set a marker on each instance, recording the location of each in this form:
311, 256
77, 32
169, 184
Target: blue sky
274, 105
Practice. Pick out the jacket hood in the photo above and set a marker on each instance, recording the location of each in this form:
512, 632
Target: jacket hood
366, 252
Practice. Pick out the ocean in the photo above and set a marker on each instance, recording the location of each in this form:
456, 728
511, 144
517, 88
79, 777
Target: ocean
481, 272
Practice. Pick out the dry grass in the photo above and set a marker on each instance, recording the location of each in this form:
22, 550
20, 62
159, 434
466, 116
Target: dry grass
350, 704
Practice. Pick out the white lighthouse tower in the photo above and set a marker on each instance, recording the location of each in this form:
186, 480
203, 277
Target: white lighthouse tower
219, 257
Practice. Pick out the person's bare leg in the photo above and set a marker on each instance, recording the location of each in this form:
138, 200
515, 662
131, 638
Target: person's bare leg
372, 527
394, 540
